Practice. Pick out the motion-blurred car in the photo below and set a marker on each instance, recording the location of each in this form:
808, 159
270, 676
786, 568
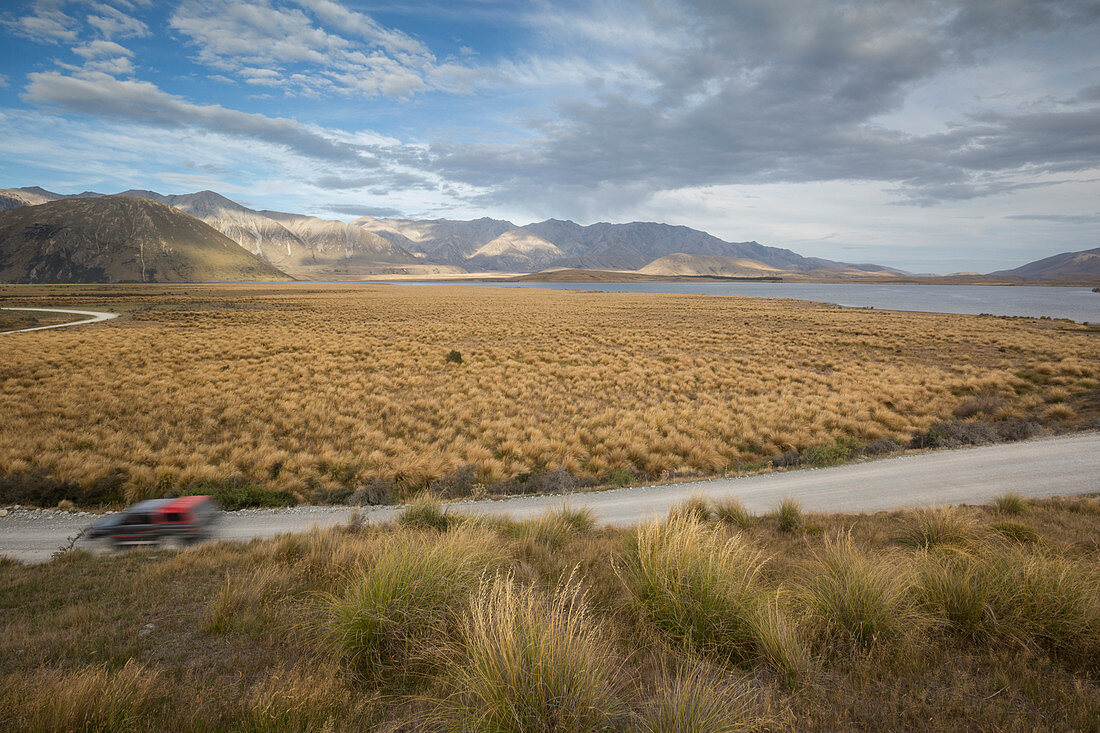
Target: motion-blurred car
185, 519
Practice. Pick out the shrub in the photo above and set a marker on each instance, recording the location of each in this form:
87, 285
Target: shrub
852, 596
827, 454
956, 434
453, 357
953, 588
457, 484
526, 662
373, 492
985, 403
424, 512
787, 459
881, 446
733, 512
413, 585
925, 528
695, 508
696, 588
1010, 503
556, 481
788, 515
1017, 532
236, 494
694, 701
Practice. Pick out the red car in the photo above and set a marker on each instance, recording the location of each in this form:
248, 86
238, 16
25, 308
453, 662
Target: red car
186, 519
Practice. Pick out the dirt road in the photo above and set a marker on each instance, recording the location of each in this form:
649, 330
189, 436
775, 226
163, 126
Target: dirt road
95, 317
1044, 467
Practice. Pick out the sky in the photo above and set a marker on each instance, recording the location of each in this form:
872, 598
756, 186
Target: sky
930, 135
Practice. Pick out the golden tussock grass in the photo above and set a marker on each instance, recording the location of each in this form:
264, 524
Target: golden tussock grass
309, 389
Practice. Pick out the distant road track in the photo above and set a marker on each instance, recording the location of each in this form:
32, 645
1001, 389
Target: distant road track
1064, 465
96, 317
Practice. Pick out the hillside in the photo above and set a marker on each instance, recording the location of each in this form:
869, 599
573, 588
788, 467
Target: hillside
119, 239
1082, 265
680, 263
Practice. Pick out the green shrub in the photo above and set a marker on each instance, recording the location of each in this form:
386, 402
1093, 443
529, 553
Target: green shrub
697, 588
935, 526
1017, 532
694, 508
1010, 503
788, 515
424, 512
453, 357
236, 494
826, 454
529, 663
733, 512
413, 586
853, 596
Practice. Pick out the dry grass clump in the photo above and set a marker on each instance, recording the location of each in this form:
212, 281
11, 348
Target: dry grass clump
1010, 503
696, 700
554, 528
936, 525
528, 662
788, 515
849, 595
406, 592
425, 512
321, 392
695, 508
733, 512
90, 698
1014, 594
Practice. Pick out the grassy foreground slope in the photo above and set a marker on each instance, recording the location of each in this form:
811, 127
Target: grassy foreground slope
979, 618
317, 393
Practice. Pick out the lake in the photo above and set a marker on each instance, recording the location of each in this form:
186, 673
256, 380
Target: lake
1077, 304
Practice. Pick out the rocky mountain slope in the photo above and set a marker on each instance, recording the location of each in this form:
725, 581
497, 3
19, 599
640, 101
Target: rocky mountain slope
1065, 266
119, 239
680, 263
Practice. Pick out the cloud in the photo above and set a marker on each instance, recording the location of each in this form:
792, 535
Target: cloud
98, 49
379, 212
327, 50
1059, 218
3, 81
102, 95
765, 91
112, 23
46, 23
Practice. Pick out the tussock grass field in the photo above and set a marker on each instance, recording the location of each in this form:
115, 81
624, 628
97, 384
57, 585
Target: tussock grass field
690, 623
352, 393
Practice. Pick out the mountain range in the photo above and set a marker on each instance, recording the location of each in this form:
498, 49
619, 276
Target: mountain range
119, 239
310, 248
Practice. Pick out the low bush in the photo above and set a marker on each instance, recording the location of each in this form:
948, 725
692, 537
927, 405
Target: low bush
788, 515
881, 446
1017, 532
985, 403
38, 488
959, 433
458, 484
934, 526
236, 494
424, 512
733, 512
1010, 503
854, 597
695, 587
556, 481
374, 492
693, 701
695, 508
528, 662
453, 357
413, 585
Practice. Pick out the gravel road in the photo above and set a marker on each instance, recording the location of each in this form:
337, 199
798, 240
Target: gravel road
1044, 467
94, 317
